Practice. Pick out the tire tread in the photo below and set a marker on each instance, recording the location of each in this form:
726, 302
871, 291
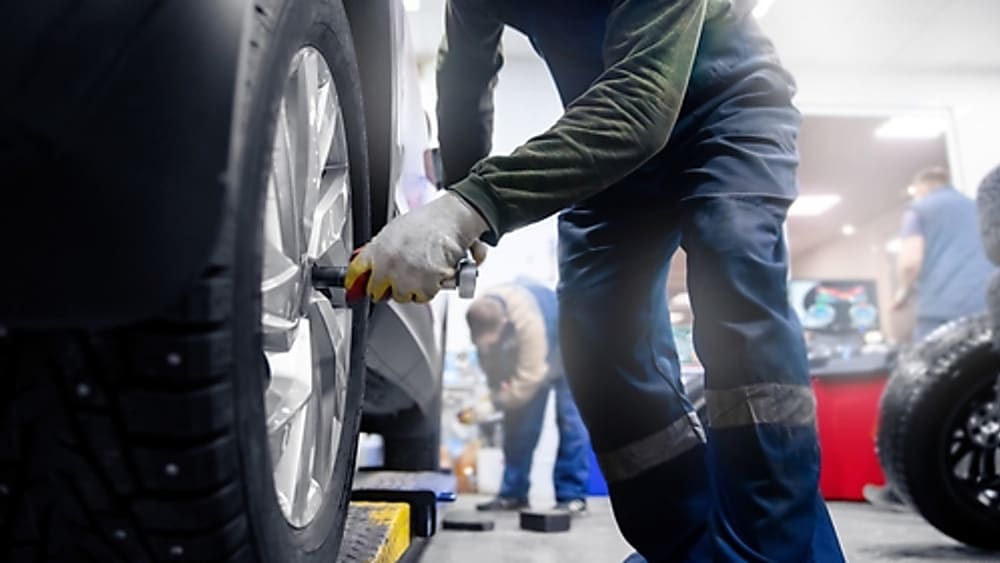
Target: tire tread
88, 480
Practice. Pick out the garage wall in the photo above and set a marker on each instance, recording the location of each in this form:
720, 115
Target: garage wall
968, 99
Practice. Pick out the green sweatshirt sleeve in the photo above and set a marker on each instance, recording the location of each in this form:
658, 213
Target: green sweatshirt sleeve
620, 122
469, 59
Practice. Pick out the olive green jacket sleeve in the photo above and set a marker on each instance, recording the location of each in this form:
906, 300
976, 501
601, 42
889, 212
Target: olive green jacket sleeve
620, 122
469, 59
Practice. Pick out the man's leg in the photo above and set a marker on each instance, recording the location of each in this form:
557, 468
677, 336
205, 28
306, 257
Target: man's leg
763, 447
572, 458
622, 364
521, 428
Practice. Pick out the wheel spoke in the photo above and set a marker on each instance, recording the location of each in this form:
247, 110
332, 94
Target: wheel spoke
307, 86
306, 460
959, 450
327, 115
291, 376
330, 239
286, 470
282, 187
326, 357
286, 396
279, 333
975, 466
989, 473
327, 213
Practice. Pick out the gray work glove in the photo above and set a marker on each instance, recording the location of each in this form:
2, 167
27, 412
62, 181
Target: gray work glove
411, 257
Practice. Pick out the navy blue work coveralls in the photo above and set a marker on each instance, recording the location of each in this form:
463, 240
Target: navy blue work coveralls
743, 487
523, 425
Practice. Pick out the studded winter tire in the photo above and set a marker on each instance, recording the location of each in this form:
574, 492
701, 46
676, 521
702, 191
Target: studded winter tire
225, 429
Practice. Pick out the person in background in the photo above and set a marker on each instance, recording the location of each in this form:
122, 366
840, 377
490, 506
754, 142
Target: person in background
515, 330
941, 265
941, 262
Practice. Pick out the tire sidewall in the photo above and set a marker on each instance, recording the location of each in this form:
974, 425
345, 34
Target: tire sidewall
322, 25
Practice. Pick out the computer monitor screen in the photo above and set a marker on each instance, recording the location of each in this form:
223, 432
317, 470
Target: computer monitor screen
835, 306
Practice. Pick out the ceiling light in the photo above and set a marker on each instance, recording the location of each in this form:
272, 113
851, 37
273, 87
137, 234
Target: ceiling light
763, 6
411, 5
848, 230
911, 127
893, 246
813, 205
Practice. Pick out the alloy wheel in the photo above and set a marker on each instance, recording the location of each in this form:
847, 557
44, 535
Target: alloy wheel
307, 340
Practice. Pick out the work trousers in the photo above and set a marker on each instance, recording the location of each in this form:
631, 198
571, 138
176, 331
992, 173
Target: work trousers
522, 427
742, 485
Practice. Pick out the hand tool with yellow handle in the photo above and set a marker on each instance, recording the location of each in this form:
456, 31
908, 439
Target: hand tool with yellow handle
334, 277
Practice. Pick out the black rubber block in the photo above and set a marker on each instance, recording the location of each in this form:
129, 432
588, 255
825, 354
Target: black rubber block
468, 520
545, 520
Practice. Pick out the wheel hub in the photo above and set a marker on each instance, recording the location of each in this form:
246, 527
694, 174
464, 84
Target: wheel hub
983, 426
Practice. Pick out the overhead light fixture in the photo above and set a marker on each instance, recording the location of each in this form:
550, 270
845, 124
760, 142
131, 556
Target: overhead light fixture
911, 127
813, 205
763, 6
894, 246
848, 230
411, 5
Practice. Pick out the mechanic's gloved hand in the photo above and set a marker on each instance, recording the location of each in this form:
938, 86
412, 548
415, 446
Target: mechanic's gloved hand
417, 251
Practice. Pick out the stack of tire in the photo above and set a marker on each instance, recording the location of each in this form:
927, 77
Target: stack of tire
939, 423
989, 221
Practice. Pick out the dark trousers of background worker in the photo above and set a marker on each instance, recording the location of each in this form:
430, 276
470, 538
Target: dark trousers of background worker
746, 487
522, 427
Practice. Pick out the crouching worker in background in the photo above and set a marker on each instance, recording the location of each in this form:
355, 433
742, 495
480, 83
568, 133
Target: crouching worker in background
515, 331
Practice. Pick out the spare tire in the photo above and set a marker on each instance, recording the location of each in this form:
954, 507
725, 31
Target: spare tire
939, 431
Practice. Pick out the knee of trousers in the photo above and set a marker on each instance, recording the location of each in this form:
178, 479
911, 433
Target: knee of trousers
736, 253
624, 383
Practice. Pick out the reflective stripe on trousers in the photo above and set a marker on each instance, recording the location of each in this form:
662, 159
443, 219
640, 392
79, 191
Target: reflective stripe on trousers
656, 449
762, 403
767, 403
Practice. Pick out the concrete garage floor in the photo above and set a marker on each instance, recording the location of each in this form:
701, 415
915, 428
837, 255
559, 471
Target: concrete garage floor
867, 534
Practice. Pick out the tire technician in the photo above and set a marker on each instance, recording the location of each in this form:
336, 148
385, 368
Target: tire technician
679, 131
515, 329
